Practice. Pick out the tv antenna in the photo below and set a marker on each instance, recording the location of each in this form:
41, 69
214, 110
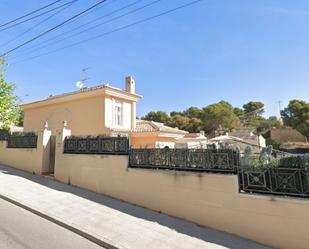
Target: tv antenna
82, 82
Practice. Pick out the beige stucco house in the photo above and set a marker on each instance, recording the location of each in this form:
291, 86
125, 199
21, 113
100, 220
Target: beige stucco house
89, 111
102, 110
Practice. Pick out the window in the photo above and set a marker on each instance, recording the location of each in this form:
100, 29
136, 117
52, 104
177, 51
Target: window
118, 119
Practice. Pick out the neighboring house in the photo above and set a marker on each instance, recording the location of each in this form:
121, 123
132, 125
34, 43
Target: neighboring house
192, 141
89, 111
288, 139
284, 135
150, 134
248, 136
237, 142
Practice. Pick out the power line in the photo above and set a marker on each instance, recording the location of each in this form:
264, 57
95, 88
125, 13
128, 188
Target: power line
62, 8
254, 112
51, 40
114, 30
95, 26
33, 17
55, 27
30, 13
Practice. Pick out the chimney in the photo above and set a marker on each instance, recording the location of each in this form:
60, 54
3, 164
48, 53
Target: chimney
130, 84
202, 133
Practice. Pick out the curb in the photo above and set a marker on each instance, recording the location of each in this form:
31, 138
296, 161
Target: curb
62, 224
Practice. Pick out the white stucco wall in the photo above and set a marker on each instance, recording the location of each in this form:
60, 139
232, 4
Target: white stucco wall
126, 115
109, 113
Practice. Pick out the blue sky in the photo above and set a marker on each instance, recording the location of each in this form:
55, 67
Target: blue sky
237, 51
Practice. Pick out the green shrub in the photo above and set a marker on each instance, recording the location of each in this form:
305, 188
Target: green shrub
295, 161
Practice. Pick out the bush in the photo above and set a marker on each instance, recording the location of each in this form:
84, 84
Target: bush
297, 161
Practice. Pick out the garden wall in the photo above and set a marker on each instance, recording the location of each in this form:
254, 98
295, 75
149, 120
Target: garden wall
211, 200
29, 159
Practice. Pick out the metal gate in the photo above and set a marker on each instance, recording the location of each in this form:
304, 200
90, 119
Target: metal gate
52, 154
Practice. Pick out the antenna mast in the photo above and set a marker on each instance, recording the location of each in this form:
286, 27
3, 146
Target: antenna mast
279, 104
82, 82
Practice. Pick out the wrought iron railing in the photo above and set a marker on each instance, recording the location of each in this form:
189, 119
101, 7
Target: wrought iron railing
203, 160
273, 180
22, 140
4, 135
97, 145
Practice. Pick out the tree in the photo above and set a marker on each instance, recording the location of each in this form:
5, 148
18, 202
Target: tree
193, 112
176, 113
296, 115
158, 116
252, 114
253, 108
238, 112
219, 116
266, 124
185, 123
9, 108
179, 121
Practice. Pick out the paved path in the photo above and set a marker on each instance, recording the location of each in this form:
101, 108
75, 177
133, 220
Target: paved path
21, 229
119, 224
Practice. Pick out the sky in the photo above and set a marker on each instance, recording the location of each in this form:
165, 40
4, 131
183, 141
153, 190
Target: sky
238, 51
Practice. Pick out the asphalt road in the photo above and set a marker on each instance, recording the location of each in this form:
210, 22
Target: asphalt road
21, 229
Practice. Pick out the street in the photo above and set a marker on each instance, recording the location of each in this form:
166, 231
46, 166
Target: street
20, 229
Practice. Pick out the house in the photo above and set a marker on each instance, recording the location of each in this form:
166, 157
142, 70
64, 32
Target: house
248, 136
192, 141
95, 110
285, 135
150, 134
237, 142
288, 139
103, 109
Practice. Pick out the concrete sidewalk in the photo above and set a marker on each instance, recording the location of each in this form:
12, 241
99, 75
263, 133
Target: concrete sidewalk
107, 221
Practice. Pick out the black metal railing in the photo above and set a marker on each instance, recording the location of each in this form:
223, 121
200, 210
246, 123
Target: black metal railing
203, 160
22, 140
4, 135
274, 180
97, 145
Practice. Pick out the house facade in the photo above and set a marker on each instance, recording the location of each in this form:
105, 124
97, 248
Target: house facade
89, 111
249, 137
101, 110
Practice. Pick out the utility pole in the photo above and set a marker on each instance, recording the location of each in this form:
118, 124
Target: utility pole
279, 104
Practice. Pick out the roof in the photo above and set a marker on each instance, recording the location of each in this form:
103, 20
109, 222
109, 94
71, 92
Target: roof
286, 134
225, 137
151, 126
194, 135
83, 93
242, 133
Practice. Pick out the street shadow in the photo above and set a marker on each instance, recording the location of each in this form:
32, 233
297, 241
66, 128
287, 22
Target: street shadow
181, 226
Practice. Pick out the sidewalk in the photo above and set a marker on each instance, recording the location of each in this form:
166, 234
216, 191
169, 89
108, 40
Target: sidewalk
107, 221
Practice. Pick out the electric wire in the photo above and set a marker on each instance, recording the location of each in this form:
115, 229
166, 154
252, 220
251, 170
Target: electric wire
31, 18
28, 14
113, 31
93, 27
64, 7
52, 29
45, 43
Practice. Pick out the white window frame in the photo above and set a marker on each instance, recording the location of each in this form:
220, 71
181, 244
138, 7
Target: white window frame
118, 104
